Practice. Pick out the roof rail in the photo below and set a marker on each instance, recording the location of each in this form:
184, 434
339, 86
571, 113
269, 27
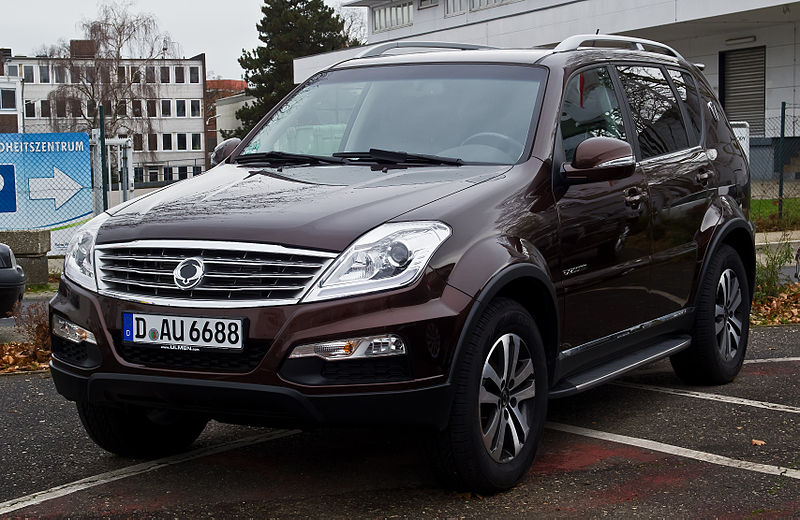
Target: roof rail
638, 44
382, 48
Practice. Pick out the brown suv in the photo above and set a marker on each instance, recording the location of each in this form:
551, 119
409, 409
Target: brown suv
445, 239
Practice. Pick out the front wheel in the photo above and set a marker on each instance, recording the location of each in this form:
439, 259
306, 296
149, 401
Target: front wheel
137, 432
722, 323
500, 402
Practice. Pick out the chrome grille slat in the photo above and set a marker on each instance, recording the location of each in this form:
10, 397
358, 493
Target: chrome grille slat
236, 274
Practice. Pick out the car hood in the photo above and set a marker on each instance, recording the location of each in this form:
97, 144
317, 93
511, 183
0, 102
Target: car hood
322, 207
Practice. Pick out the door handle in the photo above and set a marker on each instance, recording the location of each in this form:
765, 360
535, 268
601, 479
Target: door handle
703, 176
634, 197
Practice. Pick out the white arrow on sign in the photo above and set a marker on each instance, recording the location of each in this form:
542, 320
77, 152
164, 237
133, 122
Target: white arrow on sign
60, 187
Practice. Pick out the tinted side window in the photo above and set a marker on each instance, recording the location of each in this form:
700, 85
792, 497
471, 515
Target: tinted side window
687, 91
590, 109
656, 114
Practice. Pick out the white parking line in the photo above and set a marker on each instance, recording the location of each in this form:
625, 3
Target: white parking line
678, 451
137, 469
772, 360
712, 397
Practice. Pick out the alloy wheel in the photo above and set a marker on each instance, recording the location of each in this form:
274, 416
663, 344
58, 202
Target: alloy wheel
507, 389
727, 322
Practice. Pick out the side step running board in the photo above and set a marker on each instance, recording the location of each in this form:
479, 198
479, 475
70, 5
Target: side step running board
613, 369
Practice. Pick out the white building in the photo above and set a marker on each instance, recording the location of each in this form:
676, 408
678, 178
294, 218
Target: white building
226, 112
173, 146
749, 47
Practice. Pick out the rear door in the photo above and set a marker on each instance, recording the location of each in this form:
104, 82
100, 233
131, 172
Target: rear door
666, 112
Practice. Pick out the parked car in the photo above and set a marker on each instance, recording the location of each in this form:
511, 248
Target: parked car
446, 239
12, 280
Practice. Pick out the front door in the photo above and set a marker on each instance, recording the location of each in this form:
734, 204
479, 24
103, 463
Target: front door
604, 226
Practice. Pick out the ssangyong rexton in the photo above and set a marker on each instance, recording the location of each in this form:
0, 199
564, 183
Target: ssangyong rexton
445, 239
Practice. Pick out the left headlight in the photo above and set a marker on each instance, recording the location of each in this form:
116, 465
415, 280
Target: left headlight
79, 258
390, 256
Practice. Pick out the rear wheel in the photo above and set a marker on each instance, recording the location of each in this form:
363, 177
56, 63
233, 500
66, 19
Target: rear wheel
500, 403
721, 327
137, 432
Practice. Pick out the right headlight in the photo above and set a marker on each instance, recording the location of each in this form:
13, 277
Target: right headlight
390, 256
79, 258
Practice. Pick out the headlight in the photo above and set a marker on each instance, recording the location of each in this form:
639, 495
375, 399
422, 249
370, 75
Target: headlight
390, 256
79, 259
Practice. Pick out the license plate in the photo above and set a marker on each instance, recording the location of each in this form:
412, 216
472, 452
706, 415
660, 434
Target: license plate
182, 333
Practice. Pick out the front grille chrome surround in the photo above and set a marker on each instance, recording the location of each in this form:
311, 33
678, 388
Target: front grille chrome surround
238, 274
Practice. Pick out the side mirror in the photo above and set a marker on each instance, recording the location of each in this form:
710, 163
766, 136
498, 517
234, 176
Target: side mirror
600, 159
224, 150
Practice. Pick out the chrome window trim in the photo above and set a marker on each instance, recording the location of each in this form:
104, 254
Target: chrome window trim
326, 258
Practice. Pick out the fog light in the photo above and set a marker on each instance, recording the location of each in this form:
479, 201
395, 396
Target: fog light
368, 347
67, 330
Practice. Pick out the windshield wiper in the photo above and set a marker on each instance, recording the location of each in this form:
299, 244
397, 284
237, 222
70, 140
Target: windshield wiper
392, 157
281, 158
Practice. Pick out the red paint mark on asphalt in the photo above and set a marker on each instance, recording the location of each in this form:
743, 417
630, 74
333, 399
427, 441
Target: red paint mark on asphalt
575, 454
785, 368
657, 481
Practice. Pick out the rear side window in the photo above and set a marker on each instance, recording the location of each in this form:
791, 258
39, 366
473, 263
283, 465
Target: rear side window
590, 109
687, 91
656, 113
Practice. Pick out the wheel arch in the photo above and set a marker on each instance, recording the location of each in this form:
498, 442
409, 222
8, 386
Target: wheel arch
529, 286
738, 234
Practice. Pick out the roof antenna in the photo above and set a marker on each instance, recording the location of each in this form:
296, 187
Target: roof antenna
597, 31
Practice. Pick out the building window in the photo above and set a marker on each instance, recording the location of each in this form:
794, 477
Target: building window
8, 99
392, 16
152, 142
122, 108
183, 172
61, 108
75, 107
194, 74
179, 75
166, 142
180, 108
168, 173
195, 108
91, 75
195, 141
136, 75
152, 173
150, 74
452, 7
45, 108
75, 74
27, 73
137, 143
181, 141
482, 4
91, 108
44, 74
166, 108
197, 170
427, 3
30, 109
151, 108
164, 74
136, 105
59, 74
12, 70
138, 174
121, 75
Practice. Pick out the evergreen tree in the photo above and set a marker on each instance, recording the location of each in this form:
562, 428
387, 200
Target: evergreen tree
289, 29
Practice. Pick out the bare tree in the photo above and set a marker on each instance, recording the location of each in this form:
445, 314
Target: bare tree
355, 24
117, 65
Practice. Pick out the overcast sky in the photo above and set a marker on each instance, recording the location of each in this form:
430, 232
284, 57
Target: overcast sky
221, 29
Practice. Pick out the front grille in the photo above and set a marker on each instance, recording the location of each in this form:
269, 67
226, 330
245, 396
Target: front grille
242, 361
235, 273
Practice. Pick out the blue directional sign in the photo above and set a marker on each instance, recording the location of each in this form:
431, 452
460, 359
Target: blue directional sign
46, 183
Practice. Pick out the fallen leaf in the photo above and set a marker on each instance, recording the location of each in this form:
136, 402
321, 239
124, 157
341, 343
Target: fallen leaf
756, 442
739, 427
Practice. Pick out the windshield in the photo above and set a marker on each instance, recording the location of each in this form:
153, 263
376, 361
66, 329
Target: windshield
476, 113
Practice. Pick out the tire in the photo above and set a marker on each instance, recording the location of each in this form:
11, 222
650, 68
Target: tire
136, 432
722, 323
478, 450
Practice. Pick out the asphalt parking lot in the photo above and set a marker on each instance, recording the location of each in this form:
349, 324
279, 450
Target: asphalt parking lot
646, 446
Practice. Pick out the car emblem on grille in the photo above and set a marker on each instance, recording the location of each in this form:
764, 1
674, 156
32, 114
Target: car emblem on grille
189, 273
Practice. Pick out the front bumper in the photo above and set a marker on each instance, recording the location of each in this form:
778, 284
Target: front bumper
266, 387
